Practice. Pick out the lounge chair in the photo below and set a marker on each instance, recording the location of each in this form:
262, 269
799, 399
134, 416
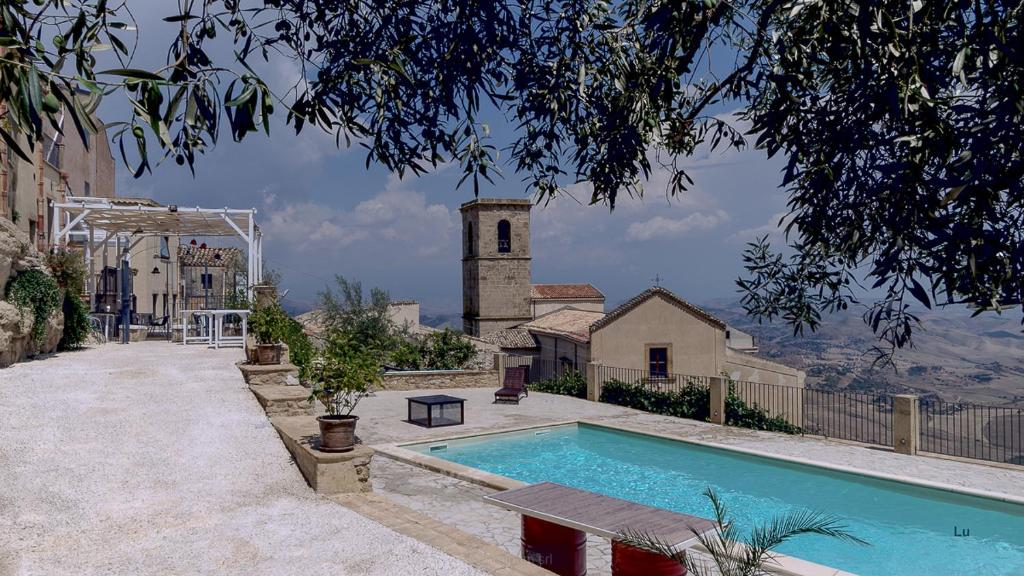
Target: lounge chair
513, 388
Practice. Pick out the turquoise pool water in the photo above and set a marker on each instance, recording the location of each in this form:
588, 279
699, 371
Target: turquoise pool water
911, 529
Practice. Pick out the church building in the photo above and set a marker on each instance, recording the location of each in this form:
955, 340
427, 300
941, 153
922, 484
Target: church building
565, 325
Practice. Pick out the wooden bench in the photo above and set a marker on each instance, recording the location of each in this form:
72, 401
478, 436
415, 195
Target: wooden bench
557, 519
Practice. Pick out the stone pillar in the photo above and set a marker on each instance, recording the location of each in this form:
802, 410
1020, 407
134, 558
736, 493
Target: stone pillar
264, 295
719, 389
500, 362
905, 424
594, 385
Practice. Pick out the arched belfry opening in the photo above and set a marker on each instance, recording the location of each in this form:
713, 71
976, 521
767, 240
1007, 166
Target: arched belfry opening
504, 236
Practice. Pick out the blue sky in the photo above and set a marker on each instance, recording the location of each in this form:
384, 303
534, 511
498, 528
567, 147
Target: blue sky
324, 213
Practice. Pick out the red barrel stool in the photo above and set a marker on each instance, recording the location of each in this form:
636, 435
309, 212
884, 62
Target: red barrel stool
556, 548
632, 561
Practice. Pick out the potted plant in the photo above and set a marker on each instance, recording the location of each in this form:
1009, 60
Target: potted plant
267, 325
726, 552
344, 373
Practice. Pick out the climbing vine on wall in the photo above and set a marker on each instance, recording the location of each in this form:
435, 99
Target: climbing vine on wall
35, 292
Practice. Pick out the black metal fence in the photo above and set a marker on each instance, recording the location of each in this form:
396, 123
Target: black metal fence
538, 369
863, 418
972, 431
666, 382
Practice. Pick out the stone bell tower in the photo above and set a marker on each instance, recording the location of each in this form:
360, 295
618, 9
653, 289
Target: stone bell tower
495, 265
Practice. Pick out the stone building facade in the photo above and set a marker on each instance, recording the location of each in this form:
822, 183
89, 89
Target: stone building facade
495, 265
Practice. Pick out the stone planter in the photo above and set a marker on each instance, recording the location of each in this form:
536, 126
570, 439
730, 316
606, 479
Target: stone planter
337, 433
268, 354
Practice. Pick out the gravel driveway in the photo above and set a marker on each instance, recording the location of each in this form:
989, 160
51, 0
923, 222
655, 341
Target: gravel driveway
155, 459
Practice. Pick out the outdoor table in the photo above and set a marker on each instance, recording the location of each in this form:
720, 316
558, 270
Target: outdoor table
436, 410
219, 339
202, 338
557, 519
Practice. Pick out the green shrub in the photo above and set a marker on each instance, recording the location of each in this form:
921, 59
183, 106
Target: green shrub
344, 372
570, 383
693, 401
268, 324
443, 350
35, 292
407, 355
690, 401
76, 323
68, 270
446, 350
738, 413
300, 349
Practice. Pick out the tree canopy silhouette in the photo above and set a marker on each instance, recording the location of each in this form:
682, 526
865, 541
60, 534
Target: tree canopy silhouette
900, 123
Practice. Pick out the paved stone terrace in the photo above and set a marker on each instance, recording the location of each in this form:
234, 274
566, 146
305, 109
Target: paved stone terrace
153, 459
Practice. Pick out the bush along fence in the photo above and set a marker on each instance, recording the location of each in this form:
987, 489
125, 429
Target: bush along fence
693, 397
905, 423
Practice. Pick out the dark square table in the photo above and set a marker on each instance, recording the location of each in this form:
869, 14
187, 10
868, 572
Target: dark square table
436, 410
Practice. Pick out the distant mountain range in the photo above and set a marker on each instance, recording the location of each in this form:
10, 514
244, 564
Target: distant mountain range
955, 357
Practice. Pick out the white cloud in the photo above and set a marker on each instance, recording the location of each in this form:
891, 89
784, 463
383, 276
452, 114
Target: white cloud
664, 227
774, 229
397, 215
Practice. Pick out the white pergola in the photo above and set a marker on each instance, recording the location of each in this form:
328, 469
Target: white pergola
106, 218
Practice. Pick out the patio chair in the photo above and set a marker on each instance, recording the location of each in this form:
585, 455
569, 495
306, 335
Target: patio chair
159, 327
513, 388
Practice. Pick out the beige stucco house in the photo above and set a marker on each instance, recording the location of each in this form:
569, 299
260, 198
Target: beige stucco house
655, 332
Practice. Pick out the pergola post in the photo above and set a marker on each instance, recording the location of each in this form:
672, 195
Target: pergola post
90, 284
55, 227
251, 271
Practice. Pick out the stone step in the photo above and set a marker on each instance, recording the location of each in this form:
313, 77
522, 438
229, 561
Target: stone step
283, 400
284, 374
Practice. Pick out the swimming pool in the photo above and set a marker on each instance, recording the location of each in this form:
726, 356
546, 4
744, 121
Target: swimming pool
912, 530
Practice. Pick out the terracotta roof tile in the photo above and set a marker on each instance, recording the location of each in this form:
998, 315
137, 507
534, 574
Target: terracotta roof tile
565, 292
567, 322
651, 293
511, 338
195, 256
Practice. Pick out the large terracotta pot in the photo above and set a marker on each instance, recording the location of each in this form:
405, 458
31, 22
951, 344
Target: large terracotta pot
268, 353
554, 547
631, 561
337, 433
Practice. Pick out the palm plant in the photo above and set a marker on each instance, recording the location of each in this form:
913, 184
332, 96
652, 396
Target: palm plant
730, 555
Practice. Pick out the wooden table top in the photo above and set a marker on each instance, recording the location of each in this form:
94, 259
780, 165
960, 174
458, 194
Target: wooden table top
601, 515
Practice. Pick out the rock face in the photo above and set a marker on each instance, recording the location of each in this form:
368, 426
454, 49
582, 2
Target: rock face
18, 255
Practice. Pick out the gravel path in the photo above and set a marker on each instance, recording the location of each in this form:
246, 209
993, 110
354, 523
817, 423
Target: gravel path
153, 459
